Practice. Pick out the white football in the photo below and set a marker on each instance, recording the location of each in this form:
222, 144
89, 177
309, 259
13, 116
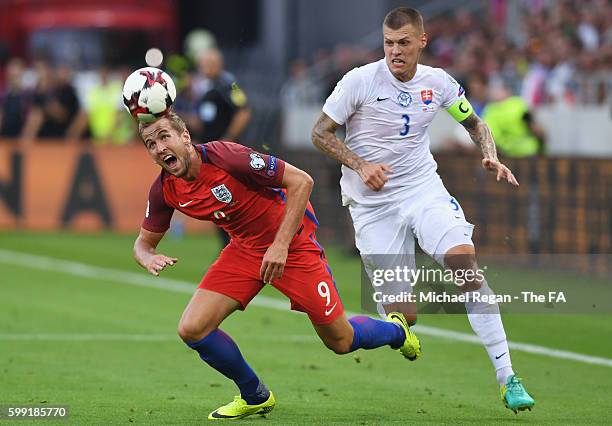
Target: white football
148, 93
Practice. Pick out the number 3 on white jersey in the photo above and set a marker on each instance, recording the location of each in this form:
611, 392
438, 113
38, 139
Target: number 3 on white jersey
406, 128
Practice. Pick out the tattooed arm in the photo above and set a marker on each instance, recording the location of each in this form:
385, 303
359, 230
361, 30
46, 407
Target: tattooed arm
324, 137
481, 136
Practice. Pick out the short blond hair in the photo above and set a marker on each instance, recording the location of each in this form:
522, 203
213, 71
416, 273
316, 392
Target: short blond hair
401, 16
176, 122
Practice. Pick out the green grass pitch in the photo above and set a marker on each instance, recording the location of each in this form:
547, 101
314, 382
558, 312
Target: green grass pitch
109, 350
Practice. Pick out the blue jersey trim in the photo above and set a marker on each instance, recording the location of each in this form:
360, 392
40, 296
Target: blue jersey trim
327, 267
280, 193
310, 215
204, 156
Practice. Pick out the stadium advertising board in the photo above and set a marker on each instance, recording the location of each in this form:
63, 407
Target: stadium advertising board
53, 186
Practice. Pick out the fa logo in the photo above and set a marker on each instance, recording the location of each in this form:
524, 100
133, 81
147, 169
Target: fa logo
222, 194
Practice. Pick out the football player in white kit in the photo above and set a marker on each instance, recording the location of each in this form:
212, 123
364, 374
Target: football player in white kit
389, 180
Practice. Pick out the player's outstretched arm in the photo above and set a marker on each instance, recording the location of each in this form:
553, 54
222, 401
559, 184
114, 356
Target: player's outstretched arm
299, 186
144, 252
324, 137
481, 136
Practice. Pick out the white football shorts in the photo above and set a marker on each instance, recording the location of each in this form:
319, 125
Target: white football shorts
385, 234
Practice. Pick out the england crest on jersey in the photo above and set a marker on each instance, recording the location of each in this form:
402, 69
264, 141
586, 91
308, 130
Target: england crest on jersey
222, 194
404, 99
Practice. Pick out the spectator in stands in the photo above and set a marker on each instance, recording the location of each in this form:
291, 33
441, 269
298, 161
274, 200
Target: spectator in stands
514, 129
103, 113
556, 51
300, 88
477, 90
14, 101
186, 103
587, 31
55, 105
222, 107
559, 85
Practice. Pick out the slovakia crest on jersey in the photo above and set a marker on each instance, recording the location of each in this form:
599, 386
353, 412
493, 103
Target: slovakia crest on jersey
404, 99
427, 96
222, 194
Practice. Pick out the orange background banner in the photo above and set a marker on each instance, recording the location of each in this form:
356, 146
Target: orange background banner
53, 186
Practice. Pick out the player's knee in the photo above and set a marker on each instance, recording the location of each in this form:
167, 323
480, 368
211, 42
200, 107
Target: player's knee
190, 331
460, 260
339, 345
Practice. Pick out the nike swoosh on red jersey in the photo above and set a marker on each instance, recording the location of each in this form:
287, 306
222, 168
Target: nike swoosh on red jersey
329, 311
185, 204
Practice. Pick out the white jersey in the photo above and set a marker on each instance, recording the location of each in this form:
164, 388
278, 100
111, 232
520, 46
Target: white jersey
386, 122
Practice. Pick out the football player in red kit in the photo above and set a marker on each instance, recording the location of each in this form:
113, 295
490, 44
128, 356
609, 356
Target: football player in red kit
262, 202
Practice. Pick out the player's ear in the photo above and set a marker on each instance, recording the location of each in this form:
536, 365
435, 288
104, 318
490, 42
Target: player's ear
186, 136
423, 40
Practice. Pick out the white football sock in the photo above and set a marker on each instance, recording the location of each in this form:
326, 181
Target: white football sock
486, 322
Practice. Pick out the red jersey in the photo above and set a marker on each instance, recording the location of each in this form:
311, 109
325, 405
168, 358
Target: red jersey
237, 188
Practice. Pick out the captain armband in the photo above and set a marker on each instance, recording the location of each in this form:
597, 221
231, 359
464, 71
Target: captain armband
461, 109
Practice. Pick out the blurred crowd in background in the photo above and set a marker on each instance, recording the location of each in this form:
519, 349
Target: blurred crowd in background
54, 102
558, 51
50, 102
555, 52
